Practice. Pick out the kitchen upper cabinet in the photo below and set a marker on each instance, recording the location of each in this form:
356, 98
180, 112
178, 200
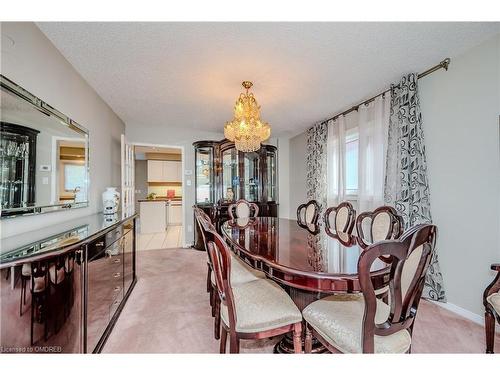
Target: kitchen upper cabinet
164, 171
155, 171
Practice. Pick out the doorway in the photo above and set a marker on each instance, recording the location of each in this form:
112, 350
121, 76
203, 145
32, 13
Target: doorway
159, 196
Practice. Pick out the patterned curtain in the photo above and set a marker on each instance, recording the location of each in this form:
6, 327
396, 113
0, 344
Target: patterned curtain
316, 185
316, 168
407, 185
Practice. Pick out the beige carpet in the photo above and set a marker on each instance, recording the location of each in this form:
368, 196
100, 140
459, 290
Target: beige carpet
168, 312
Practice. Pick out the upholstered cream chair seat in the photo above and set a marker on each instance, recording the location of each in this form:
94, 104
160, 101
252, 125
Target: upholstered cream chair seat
56, 275
494, 300
39, 284
261, 305
338, 319
241, 273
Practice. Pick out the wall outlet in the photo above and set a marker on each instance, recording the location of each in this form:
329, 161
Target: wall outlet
188, 182
190, 228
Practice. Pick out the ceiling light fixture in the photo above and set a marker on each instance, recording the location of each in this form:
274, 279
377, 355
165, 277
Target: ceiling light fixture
246, 129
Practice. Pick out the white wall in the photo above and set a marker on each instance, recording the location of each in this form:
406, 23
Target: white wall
460, 111
35, 64
297, 163
283, 145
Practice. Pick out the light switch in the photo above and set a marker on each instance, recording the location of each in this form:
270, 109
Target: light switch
188, 182
45, 180
188, 172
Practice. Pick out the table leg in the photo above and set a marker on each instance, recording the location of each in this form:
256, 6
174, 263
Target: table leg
285, 345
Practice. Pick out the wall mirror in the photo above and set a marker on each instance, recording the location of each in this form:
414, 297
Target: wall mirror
44, 156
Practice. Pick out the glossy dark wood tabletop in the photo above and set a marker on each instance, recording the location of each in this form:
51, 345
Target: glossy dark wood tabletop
301, 257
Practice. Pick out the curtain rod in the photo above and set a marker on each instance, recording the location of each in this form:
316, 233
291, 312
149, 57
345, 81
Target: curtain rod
442, 65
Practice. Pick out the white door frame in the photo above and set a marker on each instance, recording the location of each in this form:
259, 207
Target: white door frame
183, 161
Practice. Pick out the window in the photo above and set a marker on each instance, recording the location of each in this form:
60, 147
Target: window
351, 162
74, 176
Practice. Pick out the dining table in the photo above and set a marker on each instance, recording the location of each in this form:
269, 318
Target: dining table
302, 258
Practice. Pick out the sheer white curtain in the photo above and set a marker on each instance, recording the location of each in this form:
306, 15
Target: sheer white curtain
336, 161
373, 124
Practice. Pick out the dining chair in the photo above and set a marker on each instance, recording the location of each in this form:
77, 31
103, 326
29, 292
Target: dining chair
240, 273
39, 290
491, 301
339, 222
384, 223
199, 214
243, 209
58, 283
308, 213
25, 278
362, 323
252, 310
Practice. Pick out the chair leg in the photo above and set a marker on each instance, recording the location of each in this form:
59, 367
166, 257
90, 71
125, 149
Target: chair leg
297, 338
32, 318
213, 301
21, 299
308, 340
223, 339
489, 326
217, 319
234, 343
209, 282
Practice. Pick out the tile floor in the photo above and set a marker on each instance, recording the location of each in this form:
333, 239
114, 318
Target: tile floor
171, 238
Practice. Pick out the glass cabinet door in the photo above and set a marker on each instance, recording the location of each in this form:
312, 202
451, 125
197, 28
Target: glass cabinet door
272, 176
14, 179
230, 175
204, 175
251, 168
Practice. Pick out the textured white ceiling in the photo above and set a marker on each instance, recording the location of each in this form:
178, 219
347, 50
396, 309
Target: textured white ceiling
171, 75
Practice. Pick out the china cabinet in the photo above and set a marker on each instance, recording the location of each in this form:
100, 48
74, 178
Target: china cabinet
18, 152
223, 175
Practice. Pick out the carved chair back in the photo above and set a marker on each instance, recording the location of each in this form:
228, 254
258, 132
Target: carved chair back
39, 276
384, 223
410, 257
243, 209
221, 258
339, 221
204, 224
308, 213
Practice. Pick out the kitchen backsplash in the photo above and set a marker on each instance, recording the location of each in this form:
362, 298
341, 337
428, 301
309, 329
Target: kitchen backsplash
162, 190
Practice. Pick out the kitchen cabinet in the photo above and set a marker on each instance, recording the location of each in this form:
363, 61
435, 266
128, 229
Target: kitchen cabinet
155, 171
153, 216
164, 171
175, 213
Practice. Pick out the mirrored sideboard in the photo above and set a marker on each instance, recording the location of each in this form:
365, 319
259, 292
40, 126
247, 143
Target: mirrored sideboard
63, 287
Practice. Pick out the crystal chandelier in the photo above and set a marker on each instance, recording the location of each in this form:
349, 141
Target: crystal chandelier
246, 129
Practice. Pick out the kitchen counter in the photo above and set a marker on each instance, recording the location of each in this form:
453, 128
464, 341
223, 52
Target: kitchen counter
159, 199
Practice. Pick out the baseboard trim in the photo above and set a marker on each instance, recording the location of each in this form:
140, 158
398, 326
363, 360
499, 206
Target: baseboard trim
476, 318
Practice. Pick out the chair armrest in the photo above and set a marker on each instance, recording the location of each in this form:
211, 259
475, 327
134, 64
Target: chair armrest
495, 267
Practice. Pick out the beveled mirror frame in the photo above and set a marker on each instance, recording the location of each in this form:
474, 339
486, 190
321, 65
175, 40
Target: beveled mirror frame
48, 110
